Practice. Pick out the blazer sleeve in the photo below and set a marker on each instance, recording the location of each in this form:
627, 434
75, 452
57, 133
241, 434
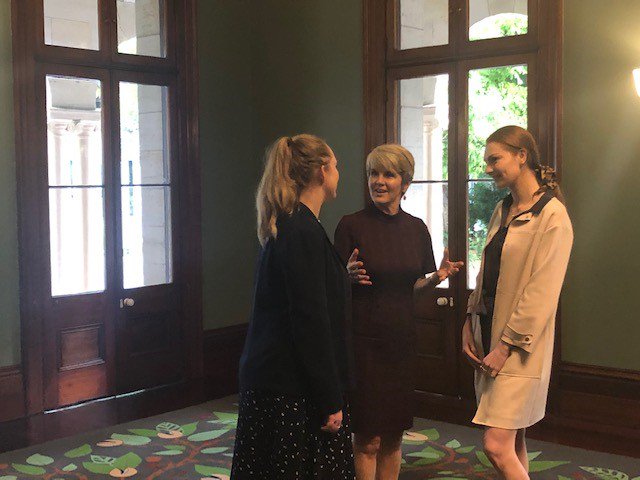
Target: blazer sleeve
539, 299
343, 241
305, 277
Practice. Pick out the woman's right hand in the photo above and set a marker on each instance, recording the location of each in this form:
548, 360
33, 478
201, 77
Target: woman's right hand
469, 345
356, 270
334, 423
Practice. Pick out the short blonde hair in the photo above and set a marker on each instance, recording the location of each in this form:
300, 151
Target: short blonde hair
392, 157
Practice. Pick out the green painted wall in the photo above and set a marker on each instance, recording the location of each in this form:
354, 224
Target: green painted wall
9, 300
308, 69
229, 169
601, 168
270, 68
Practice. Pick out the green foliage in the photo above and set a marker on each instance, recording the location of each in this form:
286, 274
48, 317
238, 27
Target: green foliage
226, 418
208, 471
189, 429
167, 427
144, 432
464, 450
541, 466
131, 440
483, 197
204, 436
497, 97
483, 459
214, 450
29, 469
428, 452
606, 473
432, 434
39, 460
81, 451
169, 453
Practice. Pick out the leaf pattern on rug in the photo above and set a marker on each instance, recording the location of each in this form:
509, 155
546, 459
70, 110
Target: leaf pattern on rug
202, 450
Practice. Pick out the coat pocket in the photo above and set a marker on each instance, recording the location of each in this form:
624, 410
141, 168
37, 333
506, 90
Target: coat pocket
521, 364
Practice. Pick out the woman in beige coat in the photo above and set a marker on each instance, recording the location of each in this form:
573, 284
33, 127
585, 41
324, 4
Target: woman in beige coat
509, 332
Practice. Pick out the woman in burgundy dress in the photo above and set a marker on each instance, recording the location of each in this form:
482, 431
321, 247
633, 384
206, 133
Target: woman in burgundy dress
389, 256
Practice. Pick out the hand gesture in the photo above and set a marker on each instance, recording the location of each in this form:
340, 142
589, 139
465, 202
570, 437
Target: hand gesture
448, 268
469, 345
334, 423
356, 270
493, 363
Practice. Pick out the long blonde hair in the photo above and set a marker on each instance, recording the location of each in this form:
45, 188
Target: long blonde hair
517, 138
291, 163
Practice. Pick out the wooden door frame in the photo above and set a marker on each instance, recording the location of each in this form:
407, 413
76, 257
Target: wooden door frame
543, 42
32, 207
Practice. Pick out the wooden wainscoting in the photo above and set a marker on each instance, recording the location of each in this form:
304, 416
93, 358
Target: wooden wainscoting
221, 351
11, 393
222, 348
599, 400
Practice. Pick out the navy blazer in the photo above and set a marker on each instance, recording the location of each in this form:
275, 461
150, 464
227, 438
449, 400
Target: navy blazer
298, 341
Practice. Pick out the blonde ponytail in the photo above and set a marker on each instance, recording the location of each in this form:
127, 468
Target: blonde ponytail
291, 163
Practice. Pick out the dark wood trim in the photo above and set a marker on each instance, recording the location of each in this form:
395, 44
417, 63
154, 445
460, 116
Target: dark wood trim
191, 188
222, 350
11, 393
374, 73
29, 232
30, 177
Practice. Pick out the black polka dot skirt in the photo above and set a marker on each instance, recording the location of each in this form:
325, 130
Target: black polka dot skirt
279, 436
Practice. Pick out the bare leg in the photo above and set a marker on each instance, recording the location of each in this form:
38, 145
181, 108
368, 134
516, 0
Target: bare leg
365, 452
389, 457
521, 448
499, 445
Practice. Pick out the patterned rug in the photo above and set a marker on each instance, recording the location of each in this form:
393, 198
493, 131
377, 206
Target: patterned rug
197, 443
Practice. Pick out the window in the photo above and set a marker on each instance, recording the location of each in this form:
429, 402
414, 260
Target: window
440, 76
108, 158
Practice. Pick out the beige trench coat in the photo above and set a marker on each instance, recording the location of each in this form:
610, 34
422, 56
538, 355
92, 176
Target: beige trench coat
532, 269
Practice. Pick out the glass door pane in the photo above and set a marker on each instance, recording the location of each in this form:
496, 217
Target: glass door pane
141, 27
76, 188
423, 23
424, 129
71, 23
146, 185
497, 18
497, 97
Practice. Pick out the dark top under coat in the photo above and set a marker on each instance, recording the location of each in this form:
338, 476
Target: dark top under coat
298, 338
492, 259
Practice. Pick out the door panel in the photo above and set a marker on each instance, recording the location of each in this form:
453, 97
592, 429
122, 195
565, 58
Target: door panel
79, 309
421, 102
150, 347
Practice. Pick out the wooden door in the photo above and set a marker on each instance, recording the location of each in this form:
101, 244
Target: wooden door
109, 194
149, 336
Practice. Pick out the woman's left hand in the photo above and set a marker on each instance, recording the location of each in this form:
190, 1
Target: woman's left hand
447, 267
493, 363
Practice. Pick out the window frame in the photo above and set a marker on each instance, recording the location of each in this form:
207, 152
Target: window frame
32, 61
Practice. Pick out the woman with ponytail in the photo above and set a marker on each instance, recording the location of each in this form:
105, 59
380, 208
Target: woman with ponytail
293, 421
509, 331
